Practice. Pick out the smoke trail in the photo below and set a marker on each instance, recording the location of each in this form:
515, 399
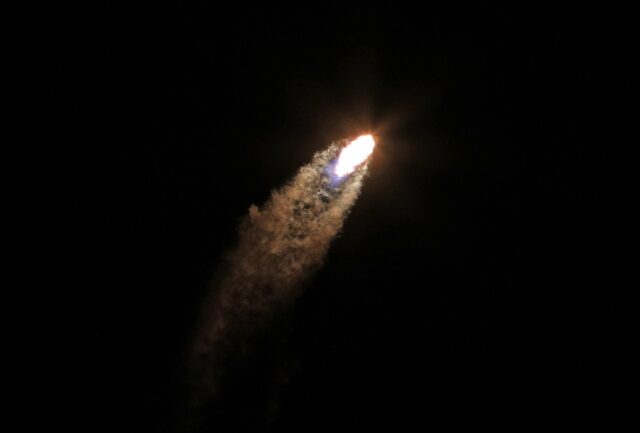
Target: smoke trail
279, 246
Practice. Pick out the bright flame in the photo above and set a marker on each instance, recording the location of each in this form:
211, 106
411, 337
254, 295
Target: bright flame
355, 153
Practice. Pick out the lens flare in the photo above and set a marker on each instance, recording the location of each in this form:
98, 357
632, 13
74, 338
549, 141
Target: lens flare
355, 153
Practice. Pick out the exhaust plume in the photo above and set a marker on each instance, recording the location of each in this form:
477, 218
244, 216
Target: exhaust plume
280, 245
354, 154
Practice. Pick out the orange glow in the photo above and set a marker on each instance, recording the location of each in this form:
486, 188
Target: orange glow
355, 153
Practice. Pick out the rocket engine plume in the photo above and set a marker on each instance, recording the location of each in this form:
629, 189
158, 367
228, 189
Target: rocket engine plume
279, 246
354, 154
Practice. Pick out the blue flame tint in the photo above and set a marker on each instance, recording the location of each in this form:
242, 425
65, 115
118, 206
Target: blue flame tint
333, 180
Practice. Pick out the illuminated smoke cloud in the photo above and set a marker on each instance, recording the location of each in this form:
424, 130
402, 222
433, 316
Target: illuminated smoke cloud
280, 245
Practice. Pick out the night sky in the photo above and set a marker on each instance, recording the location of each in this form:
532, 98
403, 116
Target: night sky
474, 277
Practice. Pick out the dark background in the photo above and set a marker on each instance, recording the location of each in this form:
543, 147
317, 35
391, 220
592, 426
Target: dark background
478, 274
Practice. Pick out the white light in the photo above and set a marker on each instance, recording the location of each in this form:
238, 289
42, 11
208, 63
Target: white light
354, 154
